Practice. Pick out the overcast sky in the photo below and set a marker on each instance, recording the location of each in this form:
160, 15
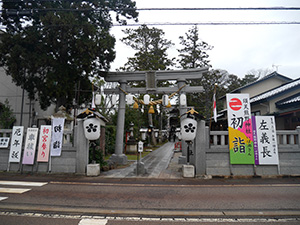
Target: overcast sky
237, 48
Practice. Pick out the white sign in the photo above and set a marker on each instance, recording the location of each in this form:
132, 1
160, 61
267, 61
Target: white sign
4, 141
265, 141
140, 146
30, 146
16, 144
57, 135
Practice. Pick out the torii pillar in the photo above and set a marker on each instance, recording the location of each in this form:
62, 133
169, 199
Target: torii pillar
182, 109
119, 157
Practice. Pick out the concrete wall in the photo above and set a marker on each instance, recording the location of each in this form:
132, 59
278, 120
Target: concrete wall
212, 155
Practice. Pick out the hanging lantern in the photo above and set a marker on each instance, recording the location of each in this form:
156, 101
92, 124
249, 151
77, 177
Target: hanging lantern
146, 99
188, 129
129, 99
169, 105
98, 99
113, 99
183, 99
165, 100
135, 105
151, 110
91, 127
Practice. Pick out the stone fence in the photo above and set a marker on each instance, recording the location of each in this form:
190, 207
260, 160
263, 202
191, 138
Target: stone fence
73, 159
211, 155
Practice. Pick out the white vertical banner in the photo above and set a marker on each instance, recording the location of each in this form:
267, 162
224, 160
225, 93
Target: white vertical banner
16, 144
30, 146
44, 144
57, 135
265, 140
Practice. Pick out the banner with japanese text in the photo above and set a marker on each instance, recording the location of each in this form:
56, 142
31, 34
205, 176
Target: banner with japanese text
4, 141
30, 146
16, 144
57, 135
44, 144
240, 129
265, 140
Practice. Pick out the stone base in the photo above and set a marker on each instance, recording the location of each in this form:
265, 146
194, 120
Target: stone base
93, 170
140, 169
132, 149
188, 171
182, 159
119, 159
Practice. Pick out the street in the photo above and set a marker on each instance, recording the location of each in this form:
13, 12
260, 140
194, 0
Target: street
78, 200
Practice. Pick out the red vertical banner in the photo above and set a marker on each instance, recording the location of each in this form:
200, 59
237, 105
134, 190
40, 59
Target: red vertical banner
44, 144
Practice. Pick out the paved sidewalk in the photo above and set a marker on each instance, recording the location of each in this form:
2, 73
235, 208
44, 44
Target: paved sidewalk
161, 163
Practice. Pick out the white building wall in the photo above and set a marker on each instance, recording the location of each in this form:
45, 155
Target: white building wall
13, 93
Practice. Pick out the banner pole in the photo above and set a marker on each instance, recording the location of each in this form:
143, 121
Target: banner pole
212, 109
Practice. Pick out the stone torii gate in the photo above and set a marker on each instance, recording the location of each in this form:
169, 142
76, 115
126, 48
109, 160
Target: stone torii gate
151, 78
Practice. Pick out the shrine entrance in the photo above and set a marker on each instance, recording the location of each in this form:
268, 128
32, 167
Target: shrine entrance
151, 78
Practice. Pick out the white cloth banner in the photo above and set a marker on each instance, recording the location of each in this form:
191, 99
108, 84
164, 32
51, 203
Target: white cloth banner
265, 141
30, 146
16, 144
57, 135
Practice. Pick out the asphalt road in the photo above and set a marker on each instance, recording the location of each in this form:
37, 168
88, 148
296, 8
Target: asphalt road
134, 201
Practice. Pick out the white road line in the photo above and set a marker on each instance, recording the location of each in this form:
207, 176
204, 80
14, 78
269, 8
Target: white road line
92, 222
13, 190
177, 185
23, 183
3, 198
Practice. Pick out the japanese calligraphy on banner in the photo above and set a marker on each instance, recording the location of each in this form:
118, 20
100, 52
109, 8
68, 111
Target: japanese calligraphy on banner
57, 135
30, 146
4, 141
265, 141
240, 129
16, 144
44, 144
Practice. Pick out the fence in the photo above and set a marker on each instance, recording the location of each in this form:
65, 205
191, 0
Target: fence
212, 155
73, 159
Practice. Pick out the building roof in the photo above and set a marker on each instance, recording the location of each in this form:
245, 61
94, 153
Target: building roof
290, 101
271, 75
282, 89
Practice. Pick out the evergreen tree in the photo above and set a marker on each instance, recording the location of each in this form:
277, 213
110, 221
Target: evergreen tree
7, 118
193, 54
151, 49
50, 46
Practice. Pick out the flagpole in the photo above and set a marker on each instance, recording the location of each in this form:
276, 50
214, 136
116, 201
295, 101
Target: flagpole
212, 109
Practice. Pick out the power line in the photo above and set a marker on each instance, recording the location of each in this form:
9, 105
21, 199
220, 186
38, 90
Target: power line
149, 9
214, 8
216, 23
186, 24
